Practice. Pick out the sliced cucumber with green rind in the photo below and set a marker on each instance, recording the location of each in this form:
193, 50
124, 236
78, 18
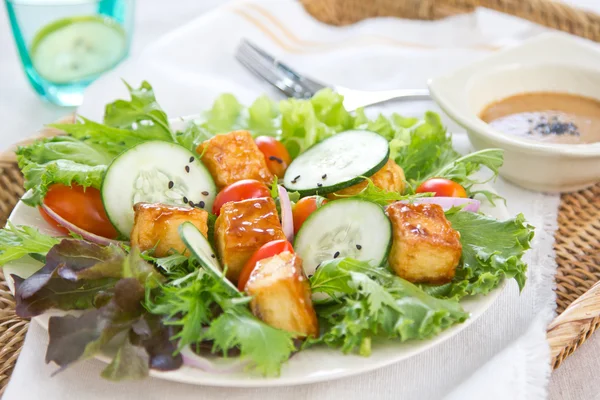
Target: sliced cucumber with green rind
337, 162
348, 227
195, 241
76, 48
154, 172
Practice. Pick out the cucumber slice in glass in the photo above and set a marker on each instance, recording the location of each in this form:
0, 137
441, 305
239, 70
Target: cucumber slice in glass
76, 48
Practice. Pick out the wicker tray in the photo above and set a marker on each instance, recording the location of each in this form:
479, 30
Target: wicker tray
577, 239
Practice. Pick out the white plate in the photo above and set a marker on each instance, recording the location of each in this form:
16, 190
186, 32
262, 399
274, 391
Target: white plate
312, 365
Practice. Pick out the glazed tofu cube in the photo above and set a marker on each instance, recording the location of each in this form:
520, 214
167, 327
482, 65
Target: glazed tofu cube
389, 178
156, 227
281, 295
242, 228
232, 157
425, 248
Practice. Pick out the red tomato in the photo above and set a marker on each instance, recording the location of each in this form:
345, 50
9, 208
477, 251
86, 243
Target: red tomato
276, 155
82, 207
267, 250
303, 208
240, 190
442, 188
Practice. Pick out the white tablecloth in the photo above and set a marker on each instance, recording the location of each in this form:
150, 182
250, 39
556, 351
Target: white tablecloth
22, 113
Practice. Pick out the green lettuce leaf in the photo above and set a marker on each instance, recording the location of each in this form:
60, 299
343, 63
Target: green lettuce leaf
382, 197
141, 114
267, 347
192, 136
39, 177
63, 148
491, 251
196, 301
113, 140
373, 303
18, 241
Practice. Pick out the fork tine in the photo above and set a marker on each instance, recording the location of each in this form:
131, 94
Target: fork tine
266, 70
282, 83
308, 83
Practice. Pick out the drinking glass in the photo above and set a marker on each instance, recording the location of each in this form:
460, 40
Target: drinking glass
65, 44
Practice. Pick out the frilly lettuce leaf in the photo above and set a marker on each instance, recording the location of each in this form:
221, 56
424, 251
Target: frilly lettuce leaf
373, 303
63, 148
197, 301
141, 114
491, 251
18, 241
39, 177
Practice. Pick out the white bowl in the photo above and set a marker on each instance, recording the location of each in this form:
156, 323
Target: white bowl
551, 62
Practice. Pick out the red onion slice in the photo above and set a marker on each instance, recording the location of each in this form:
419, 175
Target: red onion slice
447, 203
287, 220
89, 236
218, 366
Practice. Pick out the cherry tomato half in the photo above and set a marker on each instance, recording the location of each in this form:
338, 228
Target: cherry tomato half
267, 250
442, 188
276, 155
303, 208
240, 190
82, 207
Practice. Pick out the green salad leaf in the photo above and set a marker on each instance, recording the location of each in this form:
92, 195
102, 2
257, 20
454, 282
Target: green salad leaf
266, 347
491, 251
111, 139
18, 241
201, 308
63, 148
141, 114
39, 177
373, 303
382, 197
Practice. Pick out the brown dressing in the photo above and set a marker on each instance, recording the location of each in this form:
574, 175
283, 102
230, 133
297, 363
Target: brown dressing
546, 116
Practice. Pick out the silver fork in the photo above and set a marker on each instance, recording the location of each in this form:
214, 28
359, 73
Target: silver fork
294, 84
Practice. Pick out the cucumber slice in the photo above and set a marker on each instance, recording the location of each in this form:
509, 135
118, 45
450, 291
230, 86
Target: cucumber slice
76, 48
195, 241
337, 162
348, 227
154, 172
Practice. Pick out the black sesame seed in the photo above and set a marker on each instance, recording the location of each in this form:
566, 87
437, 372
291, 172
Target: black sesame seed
317, 267
185, 199
294, 181
296, 178
273, 158
336, 255
201, 204
213, 256
324, 176
191, 203
309, 275
192, 159
187, 168
205, 193
171, 184
319, 184
358, 246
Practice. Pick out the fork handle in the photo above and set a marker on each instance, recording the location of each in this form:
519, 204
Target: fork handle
354, 99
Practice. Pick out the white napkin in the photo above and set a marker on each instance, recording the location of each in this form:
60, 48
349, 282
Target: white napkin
502, 355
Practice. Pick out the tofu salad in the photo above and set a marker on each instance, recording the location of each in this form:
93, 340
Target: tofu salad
253, 233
